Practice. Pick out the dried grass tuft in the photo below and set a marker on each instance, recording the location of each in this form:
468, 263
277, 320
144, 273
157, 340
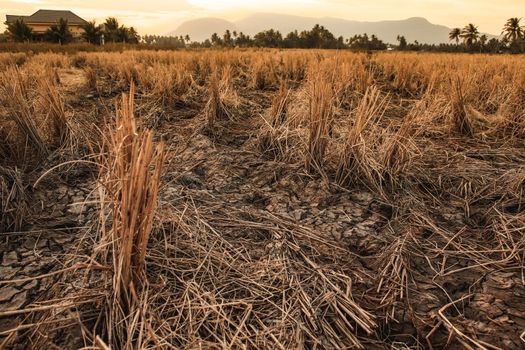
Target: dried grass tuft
460, 121
90, 75
13, 201
396, 151
216, 109
354, 160
54, 104
130, 175
15, 96
279, 107
320, 118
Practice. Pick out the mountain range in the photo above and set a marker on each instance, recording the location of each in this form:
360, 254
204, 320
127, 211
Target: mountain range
415, 28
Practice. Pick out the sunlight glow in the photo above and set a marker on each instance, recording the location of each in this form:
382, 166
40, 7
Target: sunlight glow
258, 5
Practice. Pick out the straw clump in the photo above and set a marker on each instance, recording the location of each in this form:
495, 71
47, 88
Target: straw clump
130, 189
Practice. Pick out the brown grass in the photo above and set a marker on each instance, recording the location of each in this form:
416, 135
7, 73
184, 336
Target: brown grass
216, 109
320, 115
56, 110
130, 188
411, 237
353, 160
15, 96
459, 119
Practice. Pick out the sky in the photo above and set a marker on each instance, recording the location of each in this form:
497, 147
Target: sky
162, 16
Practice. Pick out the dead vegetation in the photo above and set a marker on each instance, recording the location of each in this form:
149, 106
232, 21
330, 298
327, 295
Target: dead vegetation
128, 197
262, 199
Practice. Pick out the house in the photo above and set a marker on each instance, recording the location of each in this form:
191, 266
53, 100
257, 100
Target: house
41, 20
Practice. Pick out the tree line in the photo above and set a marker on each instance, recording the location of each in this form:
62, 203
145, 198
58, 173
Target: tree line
317, 38
109, 31
470, 39
467, 39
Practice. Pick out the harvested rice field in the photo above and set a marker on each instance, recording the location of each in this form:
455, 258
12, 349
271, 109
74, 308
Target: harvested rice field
262, 199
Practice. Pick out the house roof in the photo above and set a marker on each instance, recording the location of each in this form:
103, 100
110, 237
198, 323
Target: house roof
48, 16
11, 18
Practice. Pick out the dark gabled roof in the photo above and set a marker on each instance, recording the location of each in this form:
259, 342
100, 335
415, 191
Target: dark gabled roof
11, 18
48, 16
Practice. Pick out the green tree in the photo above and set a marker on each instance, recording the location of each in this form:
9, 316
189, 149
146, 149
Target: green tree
19, 31
59, 32
133, 36
319, 38
455, 35
483, 40
402, 43
121, 34
92, 33
292, 40
268, 38
227, 39
493, 45
216, 40
243, 40
111, 29
363, 42
513, 31
470, 34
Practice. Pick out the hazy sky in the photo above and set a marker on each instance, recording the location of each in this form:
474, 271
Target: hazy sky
161, 16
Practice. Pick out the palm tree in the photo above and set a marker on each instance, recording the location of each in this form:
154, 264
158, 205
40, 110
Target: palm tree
470, 34
455, 34
134, 36
92, 32
216, 40
227, 38
402, 43
512, 30
59, 32
122, 35
483, 39
111, 29
19, 31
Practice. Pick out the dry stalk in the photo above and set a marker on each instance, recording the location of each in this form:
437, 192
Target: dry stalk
354, 160
130, 175
13, 205
460, 121
276, 135
90, 74
280, 106
15, 96
395, 151
320, 116
263, 74
215, 110
56, 109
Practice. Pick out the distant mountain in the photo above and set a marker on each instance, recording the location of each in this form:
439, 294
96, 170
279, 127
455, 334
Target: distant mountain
415, 28
202, 28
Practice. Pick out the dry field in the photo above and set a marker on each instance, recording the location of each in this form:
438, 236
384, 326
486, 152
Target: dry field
262, 200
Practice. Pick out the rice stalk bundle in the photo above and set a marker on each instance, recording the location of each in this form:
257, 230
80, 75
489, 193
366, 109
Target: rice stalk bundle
15, 96
460, 121
354, 160
320, 116
131, 177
